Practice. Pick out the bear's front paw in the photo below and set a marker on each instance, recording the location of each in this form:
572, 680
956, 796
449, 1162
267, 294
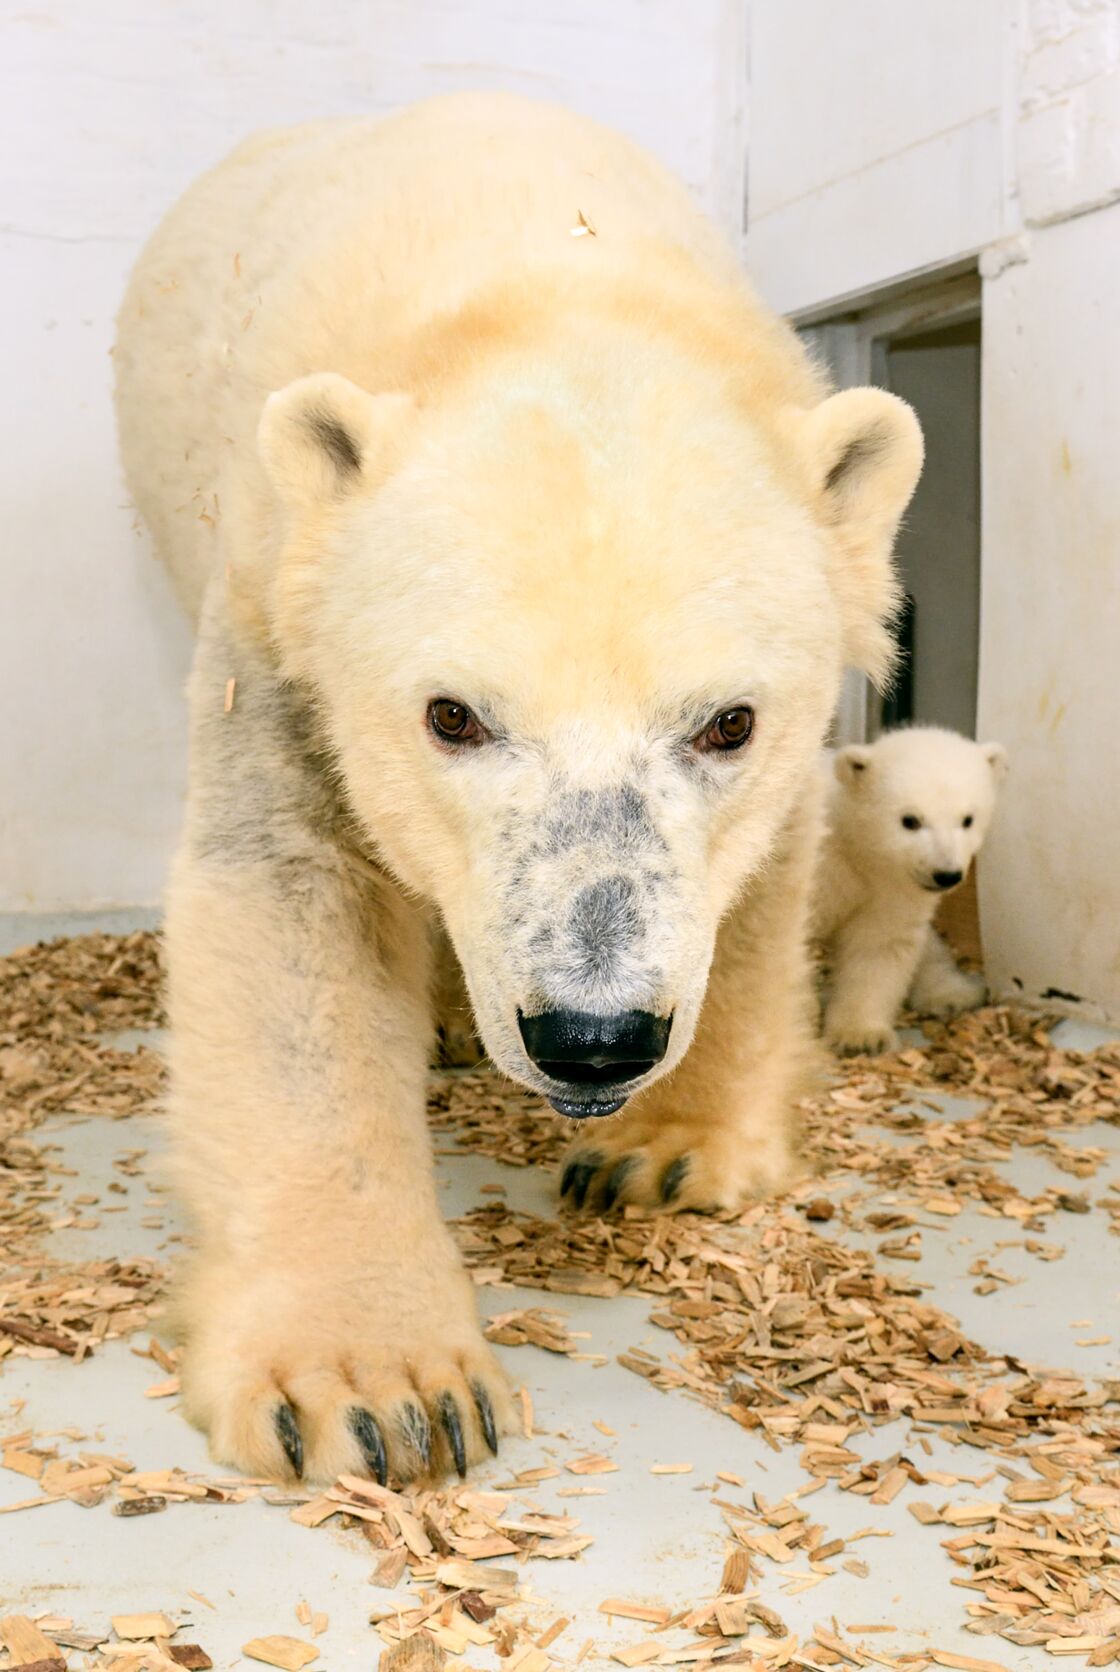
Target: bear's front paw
378, 1380
948, 994
855, 1035
675, 1165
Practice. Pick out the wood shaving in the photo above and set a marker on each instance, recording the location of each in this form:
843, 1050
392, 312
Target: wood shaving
796, 1336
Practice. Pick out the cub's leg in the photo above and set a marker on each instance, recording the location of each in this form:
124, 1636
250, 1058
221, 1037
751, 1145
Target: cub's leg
721, 1127
328, 1324
939, 988
873, 964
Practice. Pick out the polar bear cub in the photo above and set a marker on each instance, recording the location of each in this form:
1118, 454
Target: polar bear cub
906, 817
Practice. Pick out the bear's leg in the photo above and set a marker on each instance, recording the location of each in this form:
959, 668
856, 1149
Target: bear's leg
873, 962
327, 1322
458, 1044
721, 1126
939, 988
328, 1325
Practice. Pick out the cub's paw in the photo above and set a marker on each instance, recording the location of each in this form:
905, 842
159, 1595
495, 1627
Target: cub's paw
313, 1392
674, 1166
949, 994
855, 1035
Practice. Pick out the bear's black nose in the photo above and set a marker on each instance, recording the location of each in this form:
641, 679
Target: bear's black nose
588, 1054
947, 879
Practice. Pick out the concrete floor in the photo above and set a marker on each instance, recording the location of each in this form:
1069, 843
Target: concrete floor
658, 1538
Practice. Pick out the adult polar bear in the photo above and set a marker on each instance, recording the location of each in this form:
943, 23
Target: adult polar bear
532, 550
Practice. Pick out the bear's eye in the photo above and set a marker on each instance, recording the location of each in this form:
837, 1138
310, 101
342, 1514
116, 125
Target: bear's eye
453, 722
911, 821
729, 730
967, 821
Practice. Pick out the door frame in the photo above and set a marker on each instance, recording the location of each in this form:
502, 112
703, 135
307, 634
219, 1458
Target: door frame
853, 347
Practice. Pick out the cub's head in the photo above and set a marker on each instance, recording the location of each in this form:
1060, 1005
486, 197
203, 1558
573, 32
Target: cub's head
918, 802
575, 622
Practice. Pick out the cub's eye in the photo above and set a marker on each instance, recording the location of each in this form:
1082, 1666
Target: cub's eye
729, 730
967, 821
453, 722
911, 821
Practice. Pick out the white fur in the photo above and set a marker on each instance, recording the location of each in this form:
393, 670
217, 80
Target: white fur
413, 439
876, 893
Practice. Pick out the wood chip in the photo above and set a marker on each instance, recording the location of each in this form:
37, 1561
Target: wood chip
289, 1653
964, 1663
25, 1642
591, 1465
626, 1610
415, 1654
143, 1625
803, 1339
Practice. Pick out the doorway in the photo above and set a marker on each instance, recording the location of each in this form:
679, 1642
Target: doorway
924, 347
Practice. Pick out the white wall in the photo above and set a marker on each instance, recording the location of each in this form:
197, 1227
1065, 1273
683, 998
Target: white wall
878, 138
891, 138
888, 138
1050, 601
108, 111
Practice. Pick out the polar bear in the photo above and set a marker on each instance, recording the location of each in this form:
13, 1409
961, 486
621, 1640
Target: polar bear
527, 550
905, 817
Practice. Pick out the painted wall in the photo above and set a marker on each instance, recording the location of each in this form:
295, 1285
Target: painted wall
888, 138
1050, 604
878, 131
920, 136
106, 112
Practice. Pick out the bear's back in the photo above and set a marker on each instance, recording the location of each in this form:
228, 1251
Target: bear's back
317, 248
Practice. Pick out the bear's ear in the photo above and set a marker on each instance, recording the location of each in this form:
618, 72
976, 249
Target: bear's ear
863, 450
996, 756
321, 436
850, 765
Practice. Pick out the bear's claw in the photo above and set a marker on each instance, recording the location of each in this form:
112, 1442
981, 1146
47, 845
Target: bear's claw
590, 1175
287, 1428
578, 1174
368, 1435
448, 1413
485, 1416
693, 1166
413, 1425
673, 1177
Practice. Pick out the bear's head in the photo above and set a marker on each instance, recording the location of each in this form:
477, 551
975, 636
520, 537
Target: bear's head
575, 618
915, 806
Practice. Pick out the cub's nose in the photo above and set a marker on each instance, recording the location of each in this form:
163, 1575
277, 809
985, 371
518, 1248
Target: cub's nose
591, 1055
947, 879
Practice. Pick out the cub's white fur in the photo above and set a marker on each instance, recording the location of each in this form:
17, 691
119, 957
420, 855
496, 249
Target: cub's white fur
905, 818
401, 437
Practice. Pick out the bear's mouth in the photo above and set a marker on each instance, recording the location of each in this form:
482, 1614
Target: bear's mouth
591, 1090
587, 1108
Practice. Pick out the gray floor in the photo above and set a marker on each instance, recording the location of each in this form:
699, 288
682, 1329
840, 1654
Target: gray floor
658, 1538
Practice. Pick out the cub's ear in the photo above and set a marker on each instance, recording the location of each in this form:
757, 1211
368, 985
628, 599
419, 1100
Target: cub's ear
996, 756
321, 436
850, 765
863, 451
